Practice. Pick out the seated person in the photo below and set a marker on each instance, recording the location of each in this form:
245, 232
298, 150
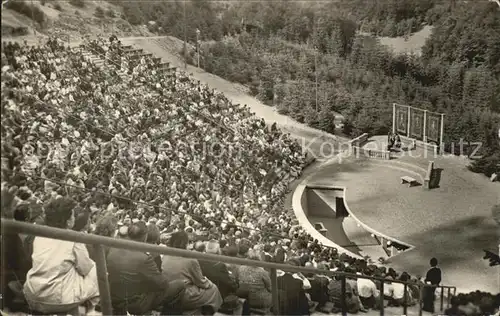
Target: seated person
398, 293
255, 285
218, 273
154, 238
319, 287
354, 286
414, 289
82, 220
16, 261
466, 305
136, 284
232, 251
63, 276
291, 294
388, 290
201, 293
397, 144
454, 310
368, 293
266, 256
105, 226
335, 293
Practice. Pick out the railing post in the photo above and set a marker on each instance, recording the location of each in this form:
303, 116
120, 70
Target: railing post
3, 262
442, 298
449, 298
381, 299
342, 298
274, 291
405, 300
420, 301
102, 279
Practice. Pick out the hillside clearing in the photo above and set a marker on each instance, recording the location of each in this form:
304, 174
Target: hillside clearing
413, 44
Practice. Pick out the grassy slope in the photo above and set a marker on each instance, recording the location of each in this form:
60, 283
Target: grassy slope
14, 19
75, 22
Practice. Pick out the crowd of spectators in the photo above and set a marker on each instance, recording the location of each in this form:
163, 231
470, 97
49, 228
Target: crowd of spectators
128, 151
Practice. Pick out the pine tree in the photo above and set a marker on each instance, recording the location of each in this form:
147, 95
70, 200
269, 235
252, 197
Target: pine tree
326, 120
312, 118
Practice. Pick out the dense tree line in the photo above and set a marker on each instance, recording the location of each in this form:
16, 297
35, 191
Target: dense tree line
290, 43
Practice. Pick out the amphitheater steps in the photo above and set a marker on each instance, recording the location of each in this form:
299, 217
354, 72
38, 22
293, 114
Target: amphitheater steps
139, 56
133, 51
134, 55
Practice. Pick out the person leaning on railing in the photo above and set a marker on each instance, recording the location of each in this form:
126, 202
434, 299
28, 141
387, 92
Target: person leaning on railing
63, 276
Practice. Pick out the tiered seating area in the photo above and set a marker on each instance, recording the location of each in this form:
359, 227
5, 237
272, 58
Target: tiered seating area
126, 135
166, 131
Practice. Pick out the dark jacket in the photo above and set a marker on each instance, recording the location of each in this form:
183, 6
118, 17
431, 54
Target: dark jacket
16, 257
132, 274
433, 276
218, 273
157, 260
291, 295
319, 289
268, 258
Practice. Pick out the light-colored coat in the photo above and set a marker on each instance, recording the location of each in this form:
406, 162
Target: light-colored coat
62, 277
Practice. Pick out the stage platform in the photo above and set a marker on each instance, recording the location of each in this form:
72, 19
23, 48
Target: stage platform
452, 222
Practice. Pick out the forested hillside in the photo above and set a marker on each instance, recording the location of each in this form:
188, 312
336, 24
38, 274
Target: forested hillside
287, 43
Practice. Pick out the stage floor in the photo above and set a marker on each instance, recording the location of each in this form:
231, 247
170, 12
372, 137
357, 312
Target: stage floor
452, 223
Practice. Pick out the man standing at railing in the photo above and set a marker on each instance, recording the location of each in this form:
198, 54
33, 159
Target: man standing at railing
433, 277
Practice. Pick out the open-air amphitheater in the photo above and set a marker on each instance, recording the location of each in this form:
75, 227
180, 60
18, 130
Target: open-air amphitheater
131, 138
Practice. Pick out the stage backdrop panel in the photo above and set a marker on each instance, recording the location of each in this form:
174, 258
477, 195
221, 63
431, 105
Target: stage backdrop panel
402, 119
417, 123
433, 127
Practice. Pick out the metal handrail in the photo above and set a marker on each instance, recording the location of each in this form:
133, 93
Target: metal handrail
12, 226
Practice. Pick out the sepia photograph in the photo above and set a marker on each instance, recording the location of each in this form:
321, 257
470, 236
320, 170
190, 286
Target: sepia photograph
250, 157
